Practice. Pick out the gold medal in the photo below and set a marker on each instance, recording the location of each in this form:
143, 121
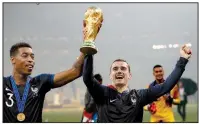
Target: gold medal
21, 117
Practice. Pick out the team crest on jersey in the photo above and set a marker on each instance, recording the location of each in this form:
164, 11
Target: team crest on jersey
133, 99
35, 91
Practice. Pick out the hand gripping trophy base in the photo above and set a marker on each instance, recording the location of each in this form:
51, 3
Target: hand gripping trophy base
88, 47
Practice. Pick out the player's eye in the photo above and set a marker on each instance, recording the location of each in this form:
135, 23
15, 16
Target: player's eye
123, 68
115, 68
24, 55
32, 56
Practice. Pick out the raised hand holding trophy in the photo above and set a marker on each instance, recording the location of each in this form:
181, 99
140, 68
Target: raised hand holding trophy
93, 19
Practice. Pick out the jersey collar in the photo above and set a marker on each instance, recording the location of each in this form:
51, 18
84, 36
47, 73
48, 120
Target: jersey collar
112, 87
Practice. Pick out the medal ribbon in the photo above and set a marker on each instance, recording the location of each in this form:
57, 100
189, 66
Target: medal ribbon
20, 103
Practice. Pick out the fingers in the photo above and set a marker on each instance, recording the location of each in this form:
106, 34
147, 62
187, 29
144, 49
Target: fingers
186, 49
189, 51
84, 33
84, 23
183, 47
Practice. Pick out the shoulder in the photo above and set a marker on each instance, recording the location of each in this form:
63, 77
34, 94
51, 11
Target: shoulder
6, 83
110, 89
44, 75
5, 80
152, 84
142, 92
42, 78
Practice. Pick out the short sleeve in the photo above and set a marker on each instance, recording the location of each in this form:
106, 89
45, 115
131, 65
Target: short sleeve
45, 81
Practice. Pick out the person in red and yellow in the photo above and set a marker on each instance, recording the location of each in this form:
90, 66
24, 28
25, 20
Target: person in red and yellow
161, 108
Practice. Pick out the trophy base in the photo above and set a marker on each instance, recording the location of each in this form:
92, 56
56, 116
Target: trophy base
88, 48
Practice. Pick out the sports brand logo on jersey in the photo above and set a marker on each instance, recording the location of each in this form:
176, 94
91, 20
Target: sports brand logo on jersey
112, 100
35, 91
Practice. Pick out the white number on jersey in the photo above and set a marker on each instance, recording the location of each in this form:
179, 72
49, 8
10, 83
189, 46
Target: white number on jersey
10, 99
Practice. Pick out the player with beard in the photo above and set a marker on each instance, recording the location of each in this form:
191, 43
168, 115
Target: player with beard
115, 103
23, 95
161, 109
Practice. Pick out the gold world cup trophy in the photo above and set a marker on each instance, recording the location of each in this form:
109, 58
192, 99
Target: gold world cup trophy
93, 19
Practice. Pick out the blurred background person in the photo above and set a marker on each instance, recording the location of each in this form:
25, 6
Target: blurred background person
182, 106
90, 110
161, 109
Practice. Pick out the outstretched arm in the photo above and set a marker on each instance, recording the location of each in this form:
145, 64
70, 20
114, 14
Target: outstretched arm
69, 75
96, 90
149, 95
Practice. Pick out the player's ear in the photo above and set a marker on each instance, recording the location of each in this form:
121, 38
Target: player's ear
130, 76
153, 73
13, 60
110, 76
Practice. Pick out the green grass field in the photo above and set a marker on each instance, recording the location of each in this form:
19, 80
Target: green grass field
74, 115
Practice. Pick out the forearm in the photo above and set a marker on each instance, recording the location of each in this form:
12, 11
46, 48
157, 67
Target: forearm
95, 89
159, 90
79, 64
88, 71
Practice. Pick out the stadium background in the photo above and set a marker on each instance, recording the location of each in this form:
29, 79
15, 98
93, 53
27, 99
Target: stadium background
144, 34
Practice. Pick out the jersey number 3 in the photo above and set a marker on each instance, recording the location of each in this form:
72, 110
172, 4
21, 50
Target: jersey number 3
10, 99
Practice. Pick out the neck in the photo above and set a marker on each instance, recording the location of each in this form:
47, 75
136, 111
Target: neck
20, 79
160, 81
121, 89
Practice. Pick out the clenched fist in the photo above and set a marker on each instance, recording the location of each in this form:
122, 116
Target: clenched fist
185, 52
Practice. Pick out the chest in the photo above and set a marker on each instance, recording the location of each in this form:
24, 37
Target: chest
161, 102
33, 94
122, 103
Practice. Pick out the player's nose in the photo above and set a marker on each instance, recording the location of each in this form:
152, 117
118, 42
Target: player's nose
119, 72
30, 60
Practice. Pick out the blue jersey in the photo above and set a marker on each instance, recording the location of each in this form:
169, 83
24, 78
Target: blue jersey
126, 107
39, 86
